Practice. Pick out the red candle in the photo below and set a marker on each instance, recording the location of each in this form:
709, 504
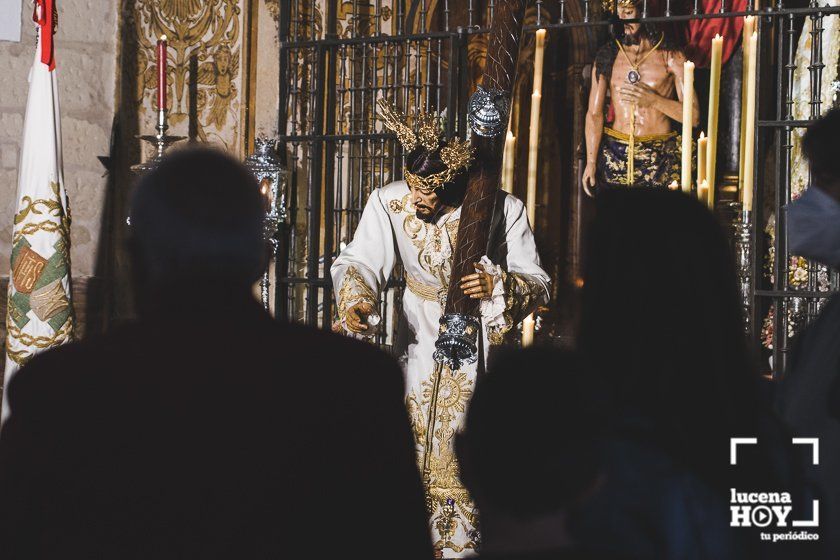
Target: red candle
161, 66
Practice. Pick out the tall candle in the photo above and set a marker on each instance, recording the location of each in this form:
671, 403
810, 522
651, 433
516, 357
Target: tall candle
748, 140
688, 121
533, 152
702, 151
534, 129
533, 157
539, 57
528, 327
749, 27
508, 159
161, 68
714, 105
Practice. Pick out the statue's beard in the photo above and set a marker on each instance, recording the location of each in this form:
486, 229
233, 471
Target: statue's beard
425, 215
631, 39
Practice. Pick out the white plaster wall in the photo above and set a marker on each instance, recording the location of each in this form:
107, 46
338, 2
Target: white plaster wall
86, 45
267, 70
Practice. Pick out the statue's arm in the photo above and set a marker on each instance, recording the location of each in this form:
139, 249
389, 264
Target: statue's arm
676, 59
594, 127
526, 283
365, 265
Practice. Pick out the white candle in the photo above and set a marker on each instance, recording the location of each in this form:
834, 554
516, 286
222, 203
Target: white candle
508, 159
748, 139
714, 106
702, 151
528, 326
539, 57
749, 27
533, 158
688, 114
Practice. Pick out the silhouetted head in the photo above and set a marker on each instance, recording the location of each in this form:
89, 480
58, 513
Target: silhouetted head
662, 324
820, 148
428, 203
197, 220
529, 445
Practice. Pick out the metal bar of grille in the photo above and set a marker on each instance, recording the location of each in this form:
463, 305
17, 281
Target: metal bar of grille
313, 199
786, 68
329, 158
826, 10
784, 124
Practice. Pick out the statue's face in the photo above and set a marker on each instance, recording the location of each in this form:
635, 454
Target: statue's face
629, 12
426, 203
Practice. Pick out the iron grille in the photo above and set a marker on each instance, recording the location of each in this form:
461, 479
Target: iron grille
338, 57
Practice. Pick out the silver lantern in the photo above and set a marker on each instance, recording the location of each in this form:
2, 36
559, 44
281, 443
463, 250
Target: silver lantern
271, 177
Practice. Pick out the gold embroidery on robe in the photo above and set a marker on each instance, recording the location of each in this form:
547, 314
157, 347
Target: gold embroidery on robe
353, 290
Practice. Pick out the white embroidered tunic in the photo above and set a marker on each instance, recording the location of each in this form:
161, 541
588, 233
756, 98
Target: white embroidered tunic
389, 228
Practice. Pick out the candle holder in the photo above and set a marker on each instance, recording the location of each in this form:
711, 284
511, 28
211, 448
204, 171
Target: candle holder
742, 226
271, 176
160, 141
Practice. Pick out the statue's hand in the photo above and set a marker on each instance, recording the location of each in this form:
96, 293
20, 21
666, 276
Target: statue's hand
589, 179
478, 285
357, 317
639, 94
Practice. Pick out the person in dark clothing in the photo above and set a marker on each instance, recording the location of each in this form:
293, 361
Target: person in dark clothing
661, 327
529, 453
206, 429
808, 396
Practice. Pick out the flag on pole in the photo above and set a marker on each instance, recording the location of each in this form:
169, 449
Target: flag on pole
40, 314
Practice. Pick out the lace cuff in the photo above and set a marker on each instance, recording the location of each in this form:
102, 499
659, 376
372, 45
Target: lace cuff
493, 308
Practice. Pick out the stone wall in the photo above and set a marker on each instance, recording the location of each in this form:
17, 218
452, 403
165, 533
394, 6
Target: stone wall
86, 45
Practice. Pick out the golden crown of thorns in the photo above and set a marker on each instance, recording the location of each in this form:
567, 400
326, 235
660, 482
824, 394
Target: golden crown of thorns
607, 5
456, 154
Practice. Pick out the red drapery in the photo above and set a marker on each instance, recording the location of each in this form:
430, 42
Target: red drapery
700, 32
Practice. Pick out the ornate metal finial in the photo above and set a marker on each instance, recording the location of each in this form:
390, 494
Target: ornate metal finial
458, 340
488, 112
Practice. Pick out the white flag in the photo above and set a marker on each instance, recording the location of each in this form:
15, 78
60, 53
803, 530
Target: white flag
40, 313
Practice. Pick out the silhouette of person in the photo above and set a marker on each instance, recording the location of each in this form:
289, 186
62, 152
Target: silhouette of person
206, 429
529, 453
661, 327
809, 393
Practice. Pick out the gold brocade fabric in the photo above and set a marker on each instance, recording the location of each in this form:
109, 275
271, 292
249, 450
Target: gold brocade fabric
425, 291
354, 290
656, 159
451, 510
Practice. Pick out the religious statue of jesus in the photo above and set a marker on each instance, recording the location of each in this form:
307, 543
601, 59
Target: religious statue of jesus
416, 222
643, 76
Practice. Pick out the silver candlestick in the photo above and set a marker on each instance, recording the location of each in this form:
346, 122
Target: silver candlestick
743, 261
160, 141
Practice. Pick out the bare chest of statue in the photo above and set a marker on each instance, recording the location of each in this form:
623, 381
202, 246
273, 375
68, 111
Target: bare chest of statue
651, 71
